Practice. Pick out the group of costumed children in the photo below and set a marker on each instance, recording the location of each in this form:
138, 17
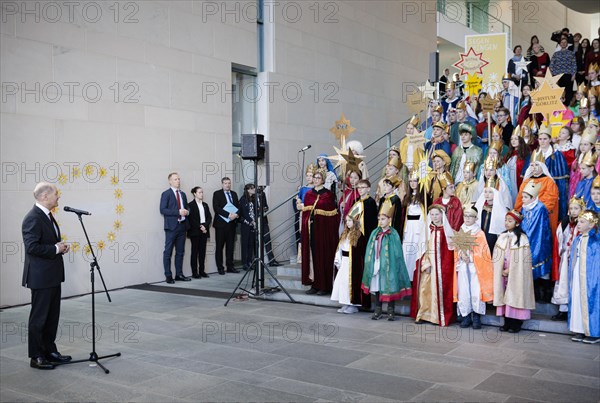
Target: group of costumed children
409, 241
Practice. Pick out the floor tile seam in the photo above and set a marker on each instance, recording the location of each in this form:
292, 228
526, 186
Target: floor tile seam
524, 354
438, 385
20, 392
579, 375
308, 385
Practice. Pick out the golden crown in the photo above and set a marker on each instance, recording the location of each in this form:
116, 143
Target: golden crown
387, 208
532, 189
461, 105
590, 158
590, 216
395, 162
582, 88
588, 137
497, 145
593, 67
414, 121
544, 130
413, 175
596, 182
538, 156
470, 166
311, 168
579, 201
593, 121
584, 103
445, 180
491, 182
442, 154
470, 210
490, 163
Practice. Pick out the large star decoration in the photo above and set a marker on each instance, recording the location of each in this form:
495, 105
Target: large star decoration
342, 129
557, 121
549, 78
471, 62
415, 102
546, 100
427, 90
423, 173
463, 240
522, 64
346, 159
473, 84
487, 104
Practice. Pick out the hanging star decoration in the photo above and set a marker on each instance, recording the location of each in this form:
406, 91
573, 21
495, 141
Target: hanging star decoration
473, 84
549, 78
342, 129
463, 240
427, 90
415, 102
557, 122
546, 100
471, 63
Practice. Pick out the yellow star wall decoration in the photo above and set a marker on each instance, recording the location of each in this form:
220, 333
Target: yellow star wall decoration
546, 100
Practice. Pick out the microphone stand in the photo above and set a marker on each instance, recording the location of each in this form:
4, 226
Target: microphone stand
94, 265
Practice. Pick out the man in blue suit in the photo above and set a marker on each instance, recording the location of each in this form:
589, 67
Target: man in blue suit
173, 204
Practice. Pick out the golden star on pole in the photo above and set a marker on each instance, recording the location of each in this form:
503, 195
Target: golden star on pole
463, 240
546, 100
342, 129
473, 84
346, 159
487, 104
549, 78
557, 121
423, 173
427, 90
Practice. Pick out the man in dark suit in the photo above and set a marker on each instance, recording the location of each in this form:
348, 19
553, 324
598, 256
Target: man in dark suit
199, 231
225, 229
43, 273
173, 204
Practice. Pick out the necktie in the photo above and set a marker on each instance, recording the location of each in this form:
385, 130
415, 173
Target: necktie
229, 197
178, 202
54, 224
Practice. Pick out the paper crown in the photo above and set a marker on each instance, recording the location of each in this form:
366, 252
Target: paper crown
538, 156
321, 171
470, 166
590, 158
413, 175
395, 162
497, 145
450, 85
439, 109
470, 210
490, 163
532, 189
465, 127
437, 207
441, 125
582, 88
445, 179
593, 91
545, 130
584, 103
596, 182
506, 76
461, 105
588, 137
590, 216
356, 211
394, 180
593, 121
387, 208
516, 215
517, 130
311, 168
578, 200
593, 67
442, 154
395, 149
415, 120
492, 182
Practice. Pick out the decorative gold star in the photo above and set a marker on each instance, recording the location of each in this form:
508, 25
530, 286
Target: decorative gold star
549, 78
89, 170
101, 245
114, 180
76, 172
522, 64
75, 247
464, 241
342, 129
473, 84
546, 100
427, 90
415, 102
102, 172
423, 173
347, 160
118, 193
487, 104
119, 208
111, 236
86, 249
117, 225
62, 179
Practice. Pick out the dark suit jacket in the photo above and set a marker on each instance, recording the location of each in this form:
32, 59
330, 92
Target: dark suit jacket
44, 268
194, 218
219, 201
170, 210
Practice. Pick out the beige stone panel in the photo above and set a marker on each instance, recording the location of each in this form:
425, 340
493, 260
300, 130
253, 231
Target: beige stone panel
150, 23
85, 69
25, 61
150, 83
136, 165
9, 98
301, 62
192, 148
120, 112
53, 106
200, 93
190, 33
209, 66
170, 118
7, 26
171, 58
214, 123
56, 33
109, 43
235, 44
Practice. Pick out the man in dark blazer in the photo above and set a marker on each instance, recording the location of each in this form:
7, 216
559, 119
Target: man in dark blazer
43, 273
173, 203
199, 231
225, 229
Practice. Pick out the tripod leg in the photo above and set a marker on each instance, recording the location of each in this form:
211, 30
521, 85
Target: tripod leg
277, 281
237, 286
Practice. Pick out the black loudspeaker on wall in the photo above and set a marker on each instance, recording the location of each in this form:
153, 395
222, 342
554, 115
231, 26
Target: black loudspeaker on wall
253, 147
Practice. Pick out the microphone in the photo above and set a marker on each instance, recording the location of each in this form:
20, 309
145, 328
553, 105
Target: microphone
305, 148
76, 211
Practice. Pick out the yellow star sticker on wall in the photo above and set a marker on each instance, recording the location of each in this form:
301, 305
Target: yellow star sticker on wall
473, 84
546, 100
549, 78
342, 129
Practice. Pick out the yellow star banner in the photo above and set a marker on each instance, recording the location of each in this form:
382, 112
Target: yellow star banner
473, 84
546, 100
557, 121
345, 159
342, 129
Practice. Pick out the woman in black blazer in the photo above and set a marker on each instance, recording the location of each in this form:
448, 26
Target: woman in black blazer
199, 231
247, 218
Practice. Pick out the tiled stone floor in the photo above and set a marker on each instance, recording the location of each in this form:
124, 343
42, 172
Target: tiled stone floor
191, 348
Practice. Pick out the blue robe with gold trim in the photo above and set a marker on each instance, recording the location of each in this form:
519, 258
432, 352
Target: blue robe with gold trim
536, 225
558, 168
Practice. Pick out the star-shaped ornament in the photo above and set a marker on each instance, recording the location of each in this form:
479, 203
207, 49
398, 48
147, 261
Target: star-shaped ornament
415, 102
463, 240
557, 121
471, 63
473, 84
487, 104
549, 78
522, 64
346, 159
342, 129
423, 173
546, 100
427, 90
